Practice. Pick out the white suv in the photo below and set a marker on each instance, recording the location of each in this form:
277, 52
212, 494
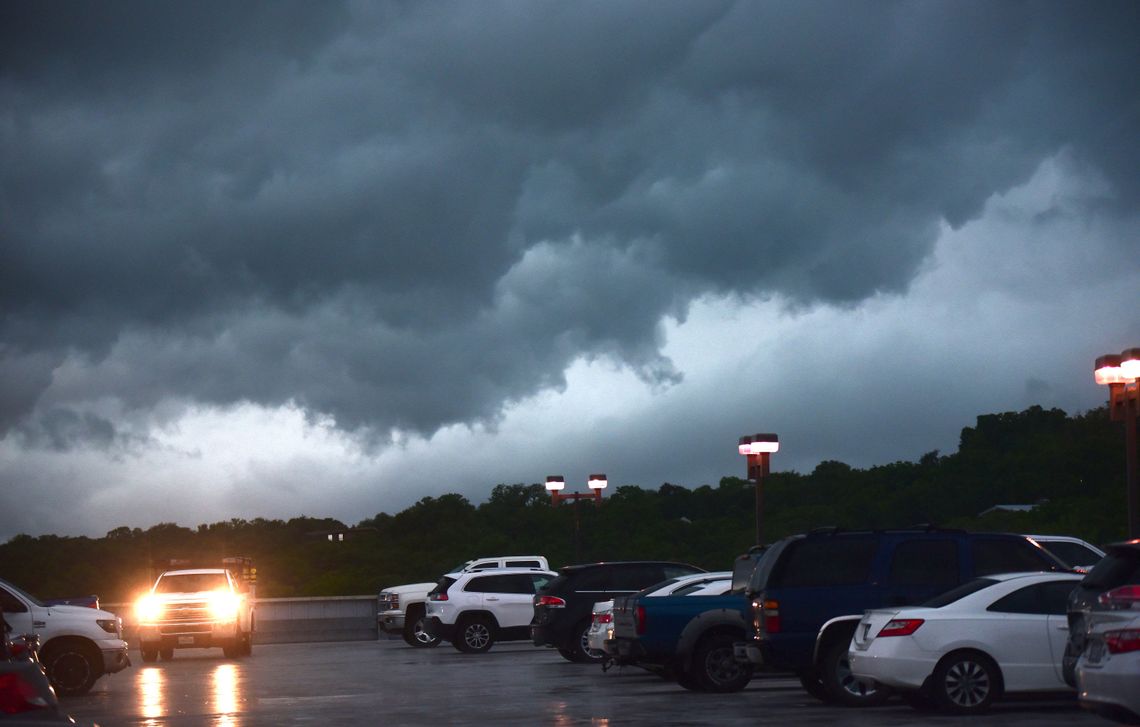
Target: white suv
474, 610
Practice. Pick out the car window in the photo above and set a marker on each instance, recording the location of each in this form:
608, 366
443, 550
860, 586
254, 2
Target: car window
558, 583
674, 570
1118, 568
954, 594
633, 576
826, 562
925, 563
488, 584
1040, 598
686, 590
483, 566
523, 564
1072, 554
592, 579
1001, 555
657, 586
441, 586
10, 604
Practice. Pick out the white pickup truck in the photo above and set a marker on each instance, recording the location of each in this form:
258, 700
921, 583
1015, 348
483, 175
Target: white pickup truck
77, 644
195, 608
402, 609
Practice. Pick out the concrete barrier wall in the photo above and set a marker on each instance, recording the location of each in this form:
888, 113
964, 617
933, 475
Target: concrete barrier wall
295, 620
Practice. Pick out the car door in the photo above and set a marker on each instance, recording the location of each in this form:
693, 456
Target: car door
1056, 596
1020, 633
509, 596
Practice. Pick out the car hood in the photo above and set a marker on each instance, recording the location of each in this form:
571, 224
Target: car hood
80, 612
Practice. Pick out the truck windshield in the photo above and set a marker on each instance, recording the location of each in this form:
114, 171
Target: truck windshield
191, 583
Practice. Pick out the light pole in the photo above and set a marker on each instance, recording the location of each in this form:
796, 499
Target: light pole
758, 448
1121, 374
555, 484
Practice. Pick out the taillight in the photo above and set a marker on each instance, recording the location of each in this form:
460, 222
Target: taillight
1120, 598
441, 596
1123, 641
549, 601
640, 620
603, 618
17, 695
900, 627
770, 617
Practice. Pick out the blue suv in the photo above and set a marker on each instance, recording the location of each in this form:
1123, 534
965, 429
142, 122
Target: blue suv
809, 591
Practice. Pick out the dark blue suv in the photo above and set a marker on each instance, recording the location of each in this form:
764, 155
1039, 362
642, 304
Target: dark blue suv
809, 591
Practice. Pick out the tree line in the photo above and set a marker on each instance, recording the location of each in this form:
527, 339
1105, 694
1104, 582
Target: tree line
1070, 467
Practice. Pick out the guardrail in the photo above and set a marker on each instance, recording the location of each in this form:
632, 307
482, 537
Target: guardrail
294, 620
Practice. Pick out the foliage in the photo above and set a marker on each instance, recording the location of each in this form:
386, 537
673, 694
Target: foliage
1070, 466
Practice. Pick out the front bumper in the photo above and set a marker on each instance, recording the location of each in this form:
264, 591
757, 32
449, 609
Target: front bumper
188, 635
747, 652
391, 621
115, 657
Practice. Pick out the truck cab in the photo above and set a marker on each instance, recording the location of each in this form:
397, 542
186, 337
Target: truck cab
196, 608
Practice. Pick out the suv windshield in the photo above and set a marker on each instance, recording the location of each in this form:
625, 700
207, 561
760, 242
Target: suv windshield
1118, 568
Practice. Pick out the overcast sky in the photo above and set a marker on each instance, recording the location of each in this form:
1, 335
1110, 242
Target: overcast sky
266, 259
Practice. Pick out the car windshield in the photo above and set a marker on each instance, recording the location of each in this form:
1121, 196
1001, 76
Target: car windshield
191, 583
1073, 554
958, 592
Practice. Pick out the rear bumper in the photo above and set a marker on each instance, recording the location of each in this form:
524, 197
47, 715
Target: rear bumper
438, 629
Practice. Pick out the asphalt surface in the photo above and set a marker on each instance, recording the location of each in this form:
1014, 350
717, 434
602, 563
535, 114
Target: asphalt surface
389, 683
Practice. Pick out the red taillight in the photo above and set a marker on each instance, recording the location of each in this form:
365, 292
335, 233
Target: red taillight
549, 601
770, 617
640, 616
1123, 641
1120, 598
603, 618
900, 627
17, 695
437, 596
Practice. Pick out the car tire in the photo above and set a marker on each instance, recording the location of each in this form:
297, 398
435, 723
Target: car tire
148, 655
414, 632
965, 682
842, 686
580, 646
813, 685
232, 650
474, 634
715, 668
72, 666
166, 654
247, 644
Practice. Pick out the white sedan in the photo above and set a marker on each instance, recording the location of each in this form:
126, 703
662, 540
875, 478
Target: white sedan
1109, 669
697, 584
964, 649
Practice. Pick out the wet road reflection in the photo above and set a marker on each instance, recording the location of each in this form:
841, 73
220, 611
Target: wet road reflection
225, 694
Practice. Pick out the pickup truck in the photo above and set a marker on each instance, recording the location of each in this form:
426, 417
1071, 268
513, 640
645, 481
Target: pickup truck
78, 644
196, 608
688, 638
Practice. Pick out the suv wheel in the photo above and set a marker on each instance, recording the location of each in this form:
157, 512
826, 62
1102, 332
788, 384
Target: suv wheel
841, 684
414, 632
475, 635
966, 682
715, 668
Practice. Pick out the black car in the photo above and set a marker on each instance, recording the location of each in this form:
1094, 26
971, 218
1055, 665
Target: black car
1119, 567
562, 609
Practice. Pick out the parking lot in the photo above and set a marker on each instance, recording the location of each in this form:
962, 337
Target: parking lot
387, 682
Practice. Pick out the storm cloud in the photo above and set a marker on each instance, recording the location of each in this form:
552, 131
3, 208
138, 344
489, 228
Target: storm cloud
401, 217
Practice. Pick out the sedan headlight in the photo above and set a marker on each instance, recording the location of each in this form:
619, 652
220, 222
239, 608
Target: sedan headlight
224, 606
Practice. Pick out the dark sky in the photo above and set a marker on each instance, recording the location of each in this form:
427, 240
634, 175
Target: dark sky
277, 258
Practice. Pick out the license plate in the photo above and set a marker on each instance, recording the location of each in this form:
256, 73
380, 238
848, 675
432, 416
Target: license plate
1096, 652
185, 640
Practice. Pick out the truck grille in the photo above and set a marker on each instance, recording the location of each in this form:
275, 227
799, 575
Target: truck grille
186, 613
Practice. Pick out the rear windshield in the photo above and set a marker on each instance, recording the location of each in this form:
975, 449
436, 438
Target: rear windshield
1071, 554
958, 592
191, 583
1118, 568
441, 586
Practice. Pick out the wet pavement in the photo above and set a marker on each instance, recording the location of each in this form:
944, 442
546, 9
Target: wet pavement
390, 683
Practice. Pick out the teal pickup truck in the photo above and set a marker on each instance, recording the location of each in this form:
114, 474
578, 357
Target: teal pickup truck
688, 638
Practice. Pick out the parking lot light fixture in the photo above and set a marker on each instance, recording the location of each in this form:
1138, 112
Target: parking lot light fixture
1121, 374
758, 448
555, 484
597, 483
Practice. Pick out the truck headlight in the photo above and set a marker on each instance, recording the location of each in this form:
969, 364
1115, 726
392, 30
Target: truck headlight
224, 606
110, 625
148, 609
